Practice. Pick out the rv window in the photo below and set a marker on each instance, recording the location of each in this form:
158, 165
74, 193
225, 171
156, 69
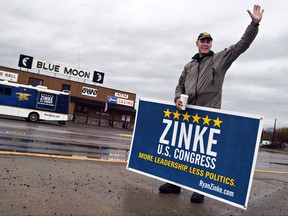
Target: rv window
8, 91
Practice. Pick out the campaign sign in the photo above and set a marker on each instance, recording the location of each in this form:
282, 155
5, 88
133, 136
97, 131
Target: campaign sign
210, 151
46, 101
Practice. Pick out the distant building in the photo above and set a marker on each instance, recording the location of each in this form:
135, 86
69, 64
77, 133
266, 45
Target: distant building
90, 103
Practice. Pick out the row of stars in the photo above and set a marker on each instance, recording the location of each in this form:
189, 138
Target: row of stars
196, 118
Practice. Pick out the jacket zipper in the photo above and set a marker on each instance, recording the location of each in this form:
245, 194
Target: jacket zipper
196, 87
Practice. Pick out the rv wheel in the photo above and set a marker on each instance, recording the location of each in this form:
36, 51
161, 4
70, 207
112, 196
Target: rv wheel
62, 122
33, 117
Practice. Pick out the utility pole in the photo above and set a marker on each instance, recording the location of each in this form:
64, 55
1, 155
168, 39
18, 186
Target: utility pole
274, 131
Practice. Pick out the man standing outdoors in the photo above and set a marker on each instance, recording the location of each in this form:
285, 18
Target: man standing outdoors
202, 78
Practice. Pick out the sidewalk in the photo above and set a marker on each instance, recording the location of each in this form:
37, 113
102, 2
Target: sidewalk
55, 186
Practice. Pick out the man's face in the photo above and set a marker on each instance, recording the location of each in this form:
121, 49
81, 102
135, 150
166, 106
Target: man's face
204, 46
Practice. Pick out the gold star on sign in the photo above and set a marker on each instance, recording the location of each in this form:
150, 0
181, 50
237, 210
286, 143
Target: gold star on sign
186, 116
206, 120
217, 122
196, 118
176, 114
167, 113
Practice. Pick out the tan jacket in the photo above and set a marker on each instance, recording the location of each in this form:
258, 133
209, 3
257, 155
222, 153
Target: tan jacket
203, 82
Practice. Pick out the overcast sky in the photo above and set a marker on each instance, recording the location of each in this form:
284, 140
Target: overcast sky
143, 45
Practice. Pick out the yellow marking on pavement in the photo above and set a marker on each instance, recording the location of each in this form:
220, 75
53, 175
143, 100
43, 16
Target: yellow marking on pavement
83, 158
124, 135
271, 171
72, 157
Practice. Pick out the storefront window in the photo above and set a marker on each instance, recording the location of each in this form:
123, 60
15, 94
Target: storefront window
82, 108
34, 82
65, 87
126, 118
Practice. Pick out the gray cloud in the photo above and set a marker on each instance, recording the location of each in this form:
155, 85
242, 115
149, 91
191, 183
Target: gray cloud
142, 46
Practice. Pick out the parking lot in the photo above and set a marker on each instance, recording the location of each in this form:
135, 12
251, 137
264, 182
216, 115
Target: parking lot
45, 184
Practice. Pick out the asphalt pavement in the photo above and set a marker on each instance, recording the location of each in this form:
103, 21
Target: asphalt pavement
49, 185
45, 184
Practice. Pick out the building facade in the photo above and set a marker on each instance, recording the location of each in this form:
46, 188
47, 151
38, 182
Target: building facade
89, 103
